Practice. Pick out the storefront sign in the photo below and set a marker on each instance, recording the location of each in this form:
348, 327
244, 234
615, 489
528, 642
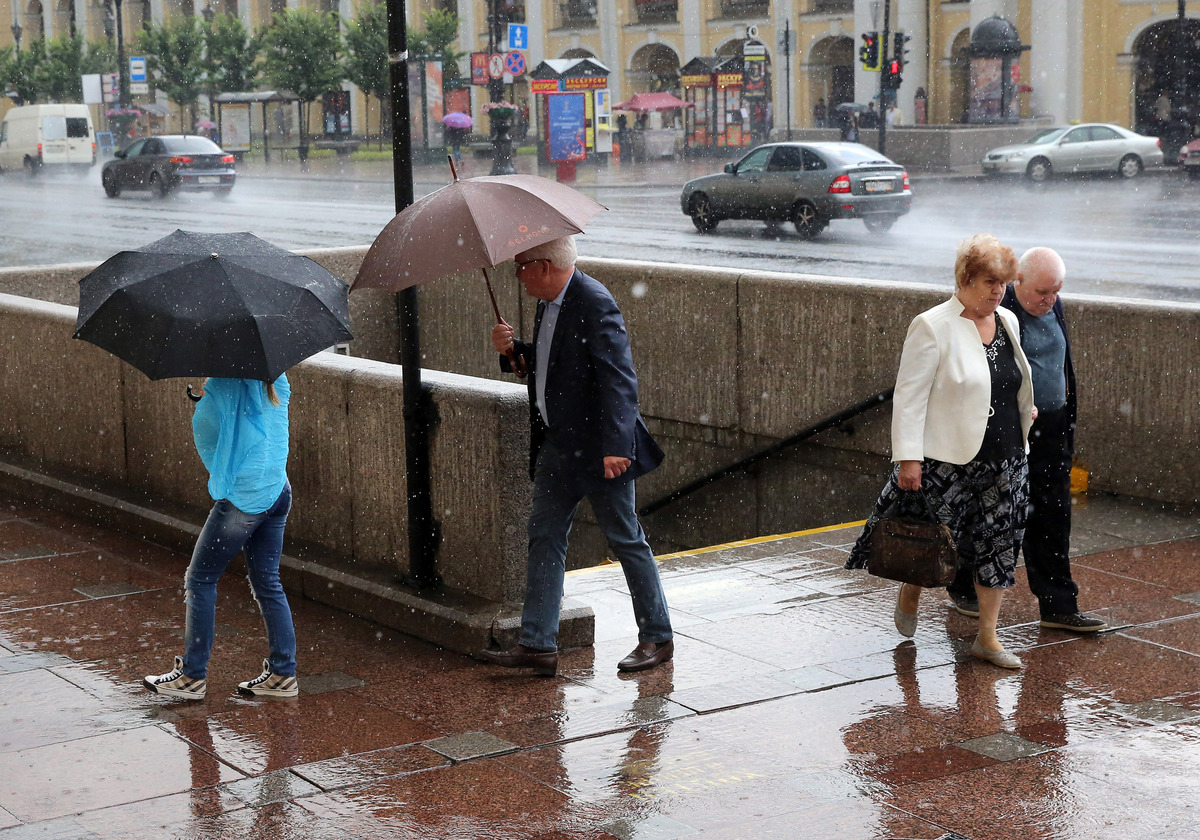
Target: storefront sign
699, 80
479, 68
585, 83
566, 115
725, 80
543, 86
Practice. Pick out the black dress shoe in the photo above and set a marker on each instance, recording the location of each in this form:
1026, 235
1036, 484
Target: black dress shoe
543, 662
647, 655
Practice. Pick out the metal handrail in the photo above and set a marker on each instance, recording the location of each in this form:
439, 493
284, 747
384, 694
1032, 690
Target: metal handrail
830, 422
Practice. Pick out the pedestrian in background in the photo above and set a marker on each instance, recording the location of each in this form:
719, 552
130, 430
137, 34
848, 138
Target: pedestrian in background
819, 113
587, 440
240, 428
1033, 298
961, 415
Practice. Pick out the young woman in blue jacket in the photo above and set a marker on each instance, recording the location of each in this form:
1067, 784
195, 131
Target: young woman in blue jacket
240, 427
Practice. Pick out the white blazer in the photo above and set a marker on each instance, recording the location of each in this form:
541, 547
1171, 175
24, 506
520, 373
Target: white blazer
944, 387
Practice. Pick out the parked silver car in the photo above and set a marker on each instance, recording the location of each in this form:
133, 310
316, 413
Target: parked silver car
1092, 147
806, 183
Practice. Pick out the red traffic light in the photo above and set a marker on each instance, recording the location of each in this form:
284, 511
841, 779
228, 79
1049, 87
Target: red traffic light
894, 68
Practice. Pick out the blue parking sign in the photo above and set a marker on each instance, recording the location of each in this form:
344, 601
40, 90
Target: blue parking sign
518, 36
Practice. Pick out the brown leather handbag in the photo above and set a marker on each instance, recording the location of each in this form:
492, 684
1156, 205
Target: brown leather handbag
912, 550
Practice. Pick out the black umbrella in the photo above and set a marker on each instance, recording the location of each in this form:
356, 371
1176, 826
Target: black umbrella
212, 304
850, 108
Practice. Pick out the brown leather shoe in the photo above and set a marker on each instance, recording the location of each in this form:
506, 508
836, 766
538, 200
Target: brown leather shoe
543, 662
647, 655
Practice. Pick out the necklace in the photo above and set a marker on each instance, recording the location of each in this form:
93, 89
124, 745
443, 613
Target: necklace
993, 349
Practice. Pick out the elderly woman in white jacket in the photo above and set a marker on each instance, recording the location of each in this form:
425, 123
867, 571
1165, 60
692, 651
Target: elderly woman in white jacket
960, 423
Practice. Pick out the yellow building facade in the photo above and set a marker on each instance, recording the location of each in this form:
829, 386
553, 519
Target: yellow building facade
1091, 60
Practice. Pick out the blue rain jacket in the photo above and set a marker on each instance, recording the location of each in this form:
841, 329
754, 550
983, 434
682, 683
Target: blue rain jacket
243, 441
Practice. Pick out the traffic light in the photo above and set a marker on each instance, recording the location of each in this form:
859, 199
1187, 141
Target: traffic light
868, 53
900, 48
891, 74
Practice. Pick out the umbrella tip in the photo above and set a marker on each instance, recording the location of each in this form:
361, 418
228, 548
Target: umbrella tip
213, 255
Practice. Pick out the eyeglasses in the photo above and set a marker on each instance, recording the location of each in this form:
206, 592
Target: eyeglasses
521, 265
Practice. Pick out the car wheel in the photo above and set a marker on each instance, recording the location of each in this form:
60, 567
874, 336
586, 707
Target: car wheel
878, 223
1130, 166
702, 214
159, 185
807, 220
223, 192
111, 188
1038, 170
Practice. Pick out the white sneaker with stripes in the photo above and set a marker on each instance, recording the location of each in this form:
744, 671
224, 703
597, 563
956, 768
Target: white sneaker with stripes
267, 684
177, 684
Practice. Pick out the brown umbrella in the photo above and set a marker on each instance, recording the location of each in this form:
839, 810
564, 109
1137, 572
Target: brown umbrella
476, 223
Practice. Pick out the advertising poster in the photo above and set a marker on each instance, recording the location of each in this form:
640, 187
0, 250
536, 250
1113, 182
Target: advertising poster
754, 76
985, 89
479, 68
604, 110
435, 104
565, 126
235, 128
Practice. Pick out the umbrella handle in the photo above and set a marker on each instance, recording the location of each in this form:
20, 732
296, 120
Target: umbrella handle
518, 364
194, 397
453, 171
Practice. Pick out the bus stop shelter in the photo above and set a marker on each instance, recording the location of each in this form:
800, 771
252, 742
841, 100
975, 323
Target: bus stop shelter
278, 125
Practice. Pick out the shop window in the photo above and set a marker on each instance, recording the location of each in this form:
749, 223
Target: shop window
577, 13
832, 6
656, 11
745, 8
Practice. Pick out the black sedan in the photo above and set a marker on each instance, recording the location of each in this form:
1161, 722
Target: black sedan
807, 183
169, 162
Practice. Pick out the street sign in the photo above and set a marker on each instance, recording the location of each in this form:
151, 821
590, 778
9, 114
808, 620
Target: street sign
479, 68
137, 69
518, 36
514, 63
139, 88
496, 66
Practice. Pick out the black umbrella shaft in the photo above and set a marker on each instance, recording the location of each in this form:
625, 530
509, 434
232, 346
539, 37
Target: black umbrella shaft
422, 530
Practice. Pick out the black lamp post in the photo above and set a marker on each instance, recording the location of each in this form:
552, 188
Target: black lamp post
122, 64
501, 143
16, 33
208, 13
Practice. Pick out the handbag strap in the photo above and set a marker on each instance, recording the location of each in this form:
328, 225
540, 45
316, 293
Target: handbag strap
928, 506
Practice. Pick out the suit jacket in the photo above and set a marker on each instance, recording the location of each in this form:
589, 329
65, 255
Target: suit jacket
591, 390
944, 387
1011, 302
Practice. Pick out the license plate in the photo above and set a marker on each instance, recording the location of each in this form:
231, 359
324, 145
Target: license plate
209, 179
879, 186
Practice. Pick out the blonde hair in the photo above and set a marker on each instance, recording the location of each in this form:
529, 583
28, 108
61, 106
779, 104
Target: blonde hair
983, 254
271, 395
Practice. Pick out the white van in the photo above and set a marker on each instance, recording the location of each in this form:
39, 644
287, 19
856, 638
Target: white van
33, 136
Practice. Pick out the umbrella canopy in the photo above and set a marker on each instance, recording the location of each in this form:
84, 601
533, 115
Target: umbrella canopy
851, 108
212, 304
476, 223
205, 124
457, 119
652, 102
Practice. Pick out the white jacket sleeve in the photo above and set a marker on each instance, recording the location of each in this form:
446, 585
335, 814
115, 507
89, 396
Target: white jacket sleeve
914, 381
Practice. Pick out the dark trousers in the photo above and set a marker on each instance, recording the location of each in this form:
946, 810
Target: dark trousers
1048, 529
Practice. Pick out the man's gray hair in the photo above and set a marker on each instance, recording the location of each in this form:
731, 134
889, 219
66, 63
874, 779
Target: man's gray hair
1041, 259
561, 252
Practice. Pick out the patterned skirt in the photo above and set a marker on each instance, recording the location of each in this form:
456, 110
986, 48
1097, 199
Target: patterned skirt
983, 503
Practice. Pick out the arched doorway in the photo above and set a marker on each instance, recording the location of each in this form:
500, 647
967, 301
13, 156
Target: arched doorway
958, 99
830, 70
35, 23
64, 18
654, 68
1166, 81
578, 52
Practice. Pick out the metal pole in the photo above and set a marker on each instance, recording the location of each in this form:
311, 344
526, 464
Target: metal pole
883, 75
122, 64
787, 56
423, 536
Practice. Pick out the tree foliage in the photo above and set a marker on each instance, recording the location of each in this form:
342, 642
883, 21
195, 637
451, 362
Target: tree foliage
300, 54
230, 55
175, 58
367, 53
437, 41
19, 70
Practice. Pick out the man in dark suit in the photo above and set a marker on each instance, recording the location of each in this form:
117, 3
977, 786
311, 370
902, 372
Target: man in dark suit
587, 439
1034, 300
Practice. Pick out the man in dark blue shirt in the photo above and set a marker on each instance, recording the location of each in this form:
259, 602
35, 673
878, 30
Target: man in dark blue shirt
1034, 300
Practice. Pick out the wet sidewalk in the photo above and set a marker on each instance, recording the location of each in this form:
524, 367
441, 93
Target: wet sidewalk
792, 709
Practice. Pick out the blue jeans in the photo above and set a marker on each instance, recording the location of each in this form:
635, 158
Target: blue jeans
554, 506
228, 531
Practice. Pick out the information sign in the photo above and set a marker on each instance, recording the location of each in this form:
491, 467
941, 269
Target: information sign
137, 69
518, 36
566, 116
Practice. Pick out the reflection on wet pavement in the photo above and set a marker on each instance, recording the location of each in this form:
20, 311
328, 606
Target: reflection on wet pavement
792, 708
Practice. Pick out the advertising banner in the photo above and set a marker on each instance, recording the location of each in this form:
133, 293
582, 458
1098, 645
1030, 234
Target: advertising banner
566, 118
543, 86
435, 104
479, 68
754, 76
235, 128
603, 110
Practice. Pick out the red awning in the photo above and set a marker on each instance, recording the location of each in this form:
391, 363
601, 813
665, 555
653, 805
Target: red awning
652, 102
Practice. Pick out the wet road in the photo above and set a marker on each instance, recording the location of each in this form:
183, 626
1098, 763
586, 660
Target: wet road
1138, 239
